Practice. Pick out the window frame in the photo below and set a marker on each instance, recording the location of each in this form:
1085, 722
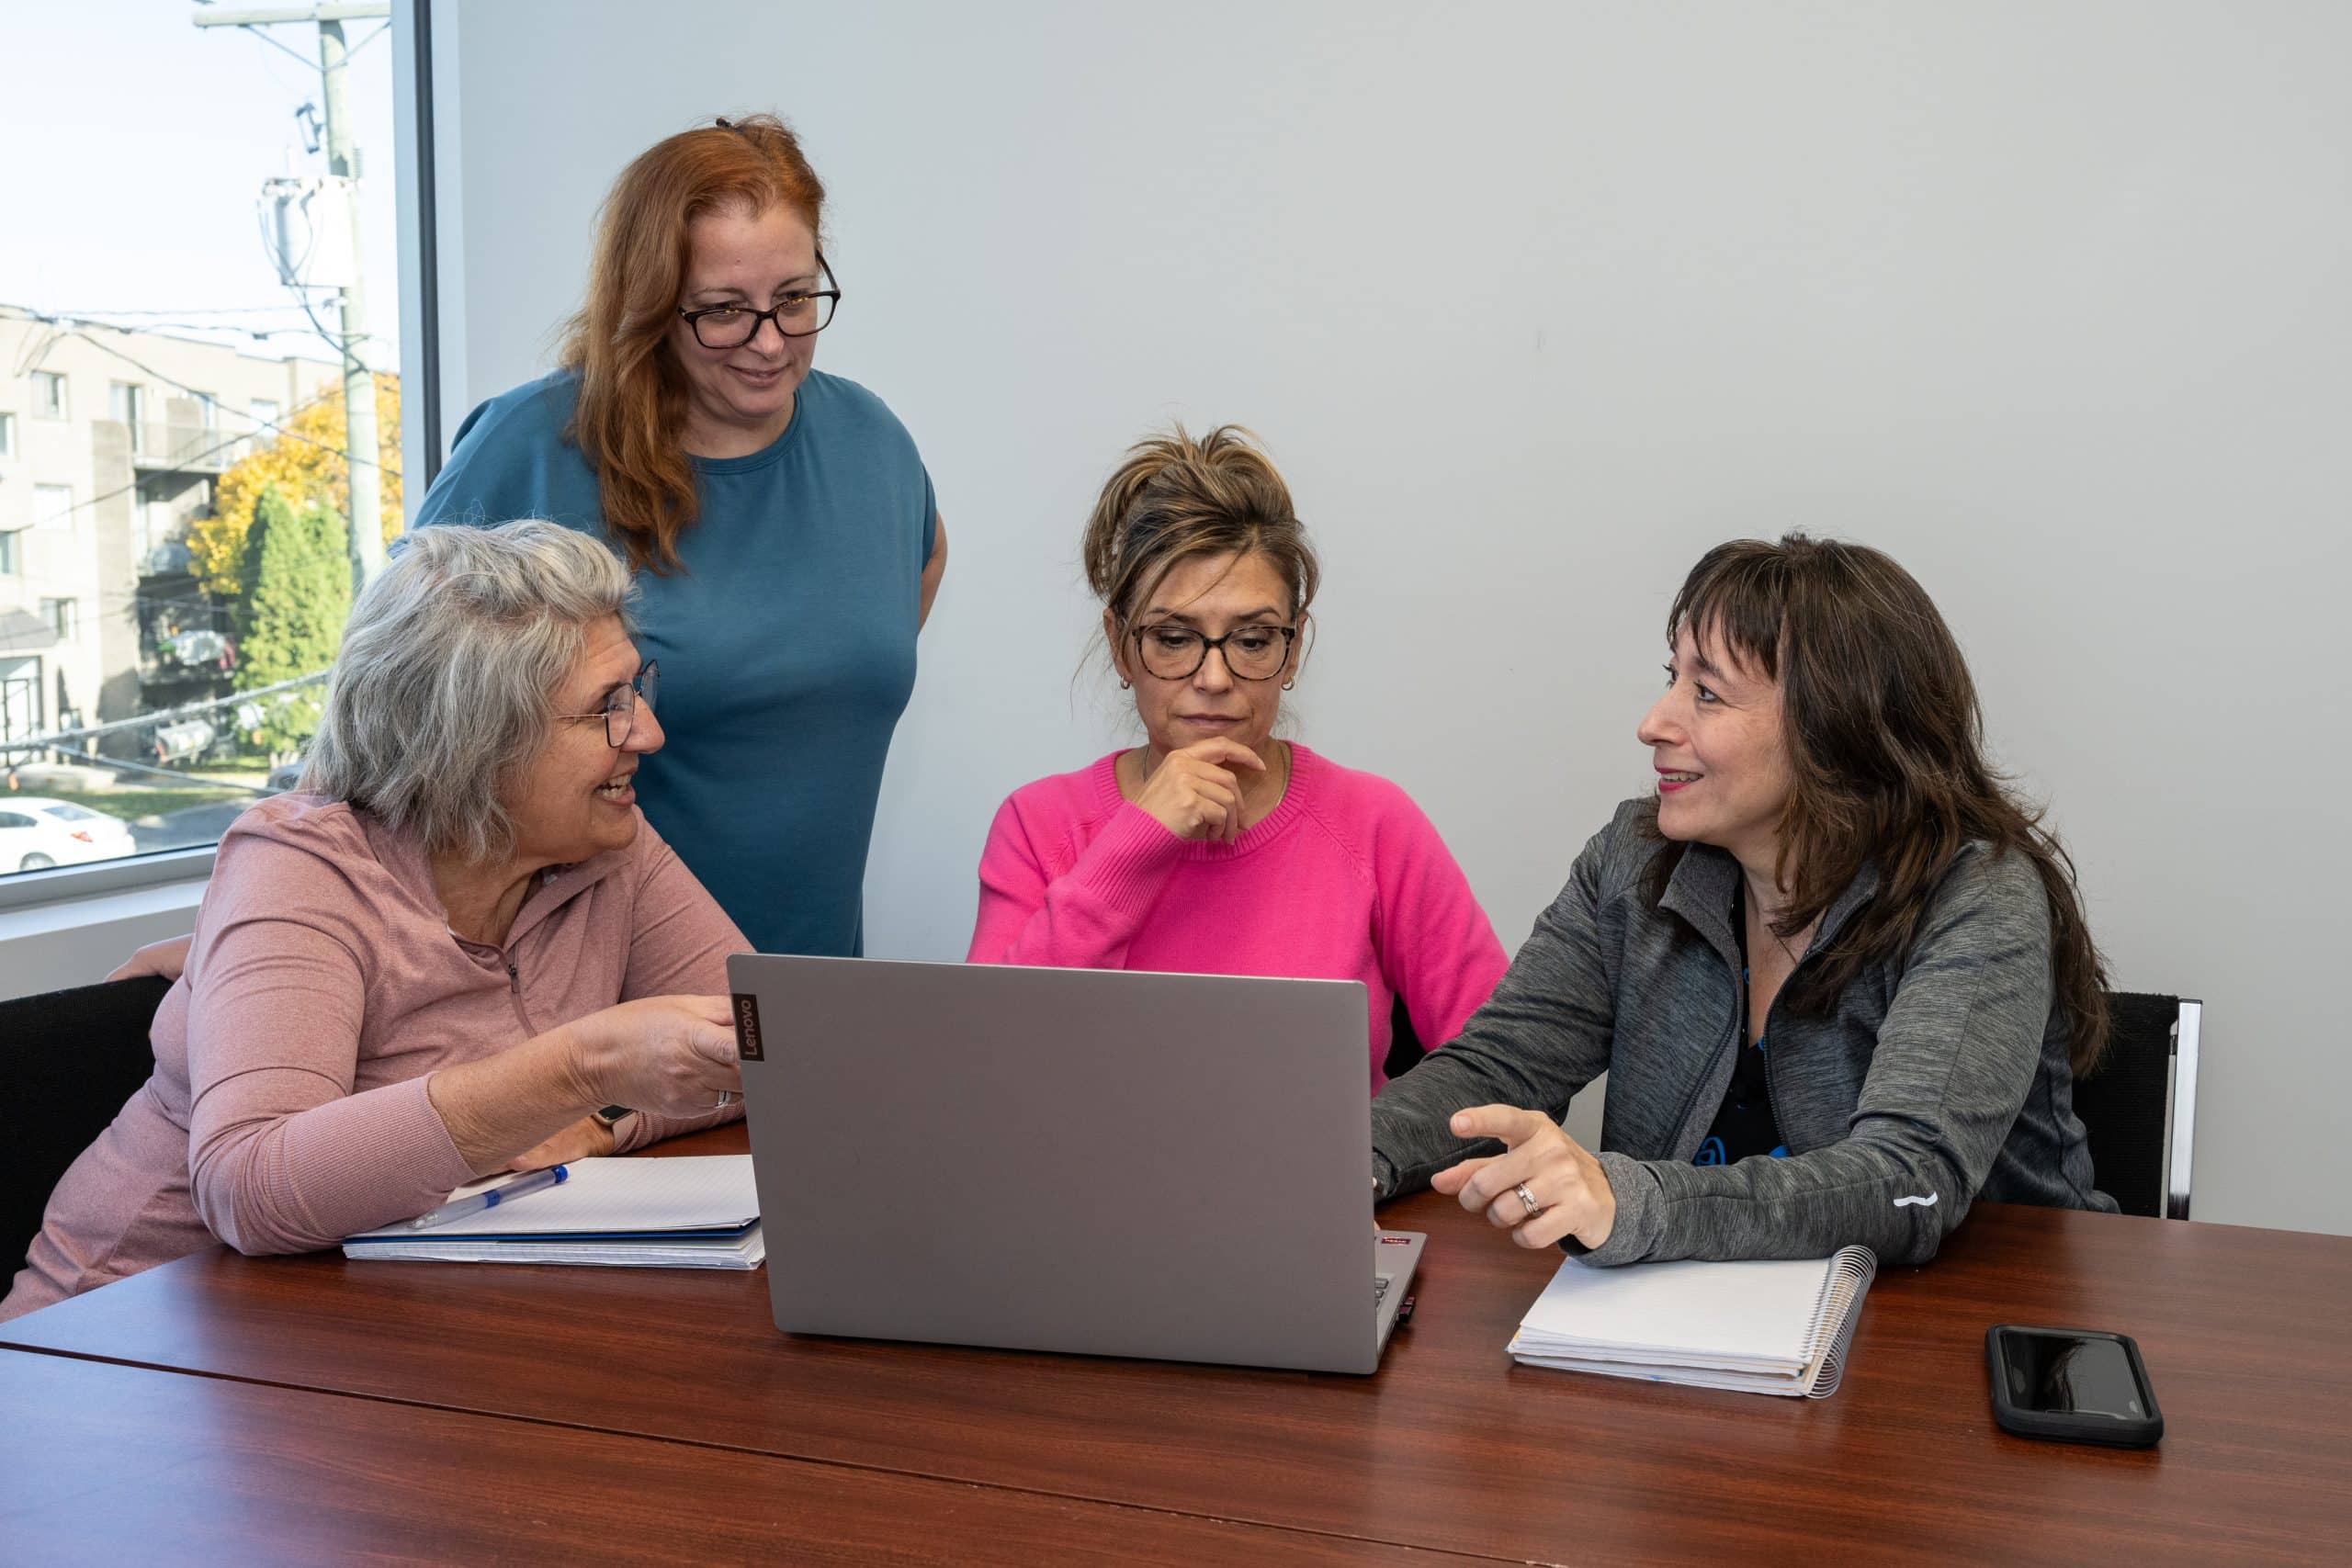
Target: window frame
80, 896
127, 405
44, 380
7, 433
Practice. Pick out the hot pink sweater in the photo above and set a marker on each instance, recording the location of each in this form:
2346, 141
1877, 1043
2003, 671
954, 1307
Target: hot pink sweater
1345, 880
289, 1108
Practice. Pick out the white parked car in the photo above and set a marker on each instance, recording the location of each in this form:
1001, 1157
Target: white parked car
36, 832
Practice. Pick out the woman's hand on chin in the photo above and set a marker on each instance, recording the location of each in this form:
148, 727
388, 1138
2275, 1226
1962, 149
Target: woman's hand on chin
1571, 1192
1196, 793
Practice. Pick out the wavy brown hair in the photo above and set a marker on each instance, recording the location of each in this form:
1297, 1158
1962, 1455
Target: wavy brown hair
632, 395
1175, 498
1887, 747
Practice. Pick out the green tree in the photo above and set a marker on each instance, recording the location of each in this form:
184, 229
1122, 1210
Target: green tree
303, 458
297, 594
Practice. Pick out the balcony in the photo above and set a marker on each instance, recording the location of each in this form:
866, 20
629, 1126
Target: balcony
170, 559
185, 448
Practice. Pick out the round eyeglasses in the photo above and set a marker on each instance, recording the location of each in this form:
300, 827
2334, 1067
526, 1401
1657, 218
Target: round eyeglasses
1173, 652
619, 712
803, 313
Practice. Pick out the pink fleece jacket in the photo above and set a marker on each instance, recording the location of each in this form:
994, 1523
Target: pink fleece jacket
1345, 880
288, 1109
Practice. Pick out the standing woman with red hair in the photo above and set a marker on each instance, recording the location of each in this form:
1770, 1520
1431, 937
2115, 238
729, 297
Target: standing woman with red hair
780, 520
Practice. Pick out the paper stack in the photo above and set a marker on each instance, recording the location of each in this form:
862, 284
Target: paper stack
691, 1211
1778, 1327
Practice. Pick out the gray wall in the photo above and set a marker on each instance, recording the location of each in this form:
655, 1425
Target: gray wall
1534, 302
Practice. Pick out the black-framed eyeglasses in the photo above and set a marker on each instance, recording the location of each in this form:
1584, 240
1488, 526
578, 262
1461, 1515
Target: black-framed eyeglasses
1174, 652
802, 314
619, 712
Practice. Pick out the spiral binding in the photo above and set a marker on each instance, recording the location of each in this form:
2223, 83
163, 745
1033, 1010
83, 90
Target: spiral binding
1849, 1279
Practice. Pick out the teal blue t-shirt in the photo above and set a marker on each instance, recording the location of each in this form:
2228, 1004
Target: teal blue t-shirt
787, 641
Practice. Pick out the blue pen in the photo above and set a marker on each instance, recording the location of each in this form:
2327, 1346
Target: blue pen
521, 1187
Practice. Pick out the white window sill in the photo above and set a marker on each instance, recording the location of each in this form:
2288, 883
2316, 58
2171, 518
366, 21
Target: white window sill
94, 918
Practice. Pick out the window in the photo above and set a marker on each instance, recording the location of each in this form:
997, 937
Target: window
7, 435
54, 507
20, 694
127, 405
129, 578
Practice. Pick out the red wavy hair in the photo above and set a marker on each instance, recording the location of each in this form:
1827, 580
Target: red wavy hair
632, 394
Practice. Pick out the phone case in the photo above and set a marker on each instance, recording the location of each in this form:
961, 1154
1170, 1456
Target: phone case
2072, 1427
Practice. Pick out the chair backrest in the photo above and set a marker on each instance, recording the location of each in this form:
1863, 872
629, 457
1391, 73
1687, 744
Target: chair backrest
1405, 1047
2139, 1107
68, 1060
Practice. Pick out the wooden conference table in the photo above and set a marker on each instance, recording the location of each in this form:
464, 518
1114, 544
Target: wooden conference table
465, 1413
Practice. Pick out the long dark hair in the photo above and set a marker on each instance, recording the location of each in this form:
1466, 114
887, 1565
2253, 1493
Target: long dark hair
1887, 747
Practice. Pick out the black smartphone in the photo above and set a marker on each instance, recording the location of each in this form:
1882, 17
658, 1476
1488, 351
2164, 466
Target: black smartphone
2071, 1386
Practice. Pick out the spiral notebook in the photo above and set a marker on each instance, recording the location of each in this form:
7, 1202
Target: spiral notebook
688, 1211
1771, 1327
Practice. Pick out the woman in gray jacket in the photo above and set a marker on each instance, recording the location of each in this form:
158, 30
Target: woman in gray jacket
1837, 974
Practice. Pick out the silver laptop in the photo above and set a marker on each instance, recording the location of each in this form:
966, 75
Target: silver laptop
1169, 1166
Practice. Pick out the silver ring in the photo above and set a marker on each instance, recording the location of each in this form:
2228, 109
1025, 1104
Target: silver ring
728, 1097
1528, 1200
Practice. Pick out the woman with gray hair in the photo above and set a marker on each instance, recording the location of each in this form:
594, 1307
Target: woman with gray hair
441, 955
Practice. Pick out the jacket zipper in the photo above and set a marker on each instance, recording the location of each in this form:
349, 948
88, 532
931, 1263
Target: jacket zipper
1682, 1118
1738, 1011
514, 995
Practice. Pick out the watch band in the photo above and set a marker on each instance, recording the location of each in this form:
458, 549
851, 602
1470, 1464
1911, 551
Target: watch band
608, 1115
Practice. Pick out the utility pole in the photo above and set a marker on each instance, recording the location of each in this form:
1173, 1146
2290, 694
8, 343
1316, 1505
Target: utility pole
359, 383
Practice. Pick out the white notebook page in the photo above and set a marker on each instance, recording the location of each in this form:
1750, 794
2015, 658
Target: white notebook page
688, 1192
1750, 1314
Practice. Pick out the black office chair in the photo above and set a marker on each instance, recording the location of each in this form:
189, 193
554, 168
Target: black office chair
1405, 1048
2140, 1106
68, 1060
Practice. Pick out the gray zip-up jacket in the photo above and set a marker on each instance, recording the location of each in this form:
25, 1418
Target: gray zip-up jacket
1928, 1084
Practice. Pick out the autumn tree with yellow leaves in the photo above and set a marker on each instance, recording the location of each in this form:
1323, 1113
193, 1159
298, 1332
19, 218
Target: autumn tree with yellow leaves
304, 461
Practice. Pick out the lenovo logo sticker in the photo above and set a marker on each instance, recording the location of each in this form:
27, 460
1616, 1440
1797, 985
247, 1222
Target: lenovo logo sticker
747, 1028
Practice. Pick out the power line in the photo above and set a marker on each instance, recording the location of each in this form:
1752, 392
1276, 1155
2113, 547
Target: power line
49, 742
213, 450
67, 329
180, 310
121, 765
307, 63
225, 329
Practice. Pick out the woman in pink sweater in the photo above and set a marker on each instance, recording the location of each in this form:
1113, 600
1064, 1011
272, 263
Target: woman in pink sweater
439, 960
1214, 848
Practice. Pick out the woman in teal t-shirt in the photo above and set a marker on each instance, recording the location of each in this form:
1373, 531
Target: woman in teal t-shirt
787, 540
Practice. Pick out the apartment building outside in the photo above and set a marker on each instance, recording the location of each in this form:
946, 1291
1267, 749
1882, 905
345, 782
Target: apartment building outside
110, 441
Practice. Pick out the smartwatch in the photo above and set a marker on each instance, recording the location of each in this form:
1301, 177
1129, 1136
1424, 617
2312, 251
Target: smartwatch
608, 1115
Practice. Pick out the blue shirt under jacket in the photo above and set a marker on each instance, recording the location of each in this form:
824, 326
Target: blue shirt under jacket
787, 641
